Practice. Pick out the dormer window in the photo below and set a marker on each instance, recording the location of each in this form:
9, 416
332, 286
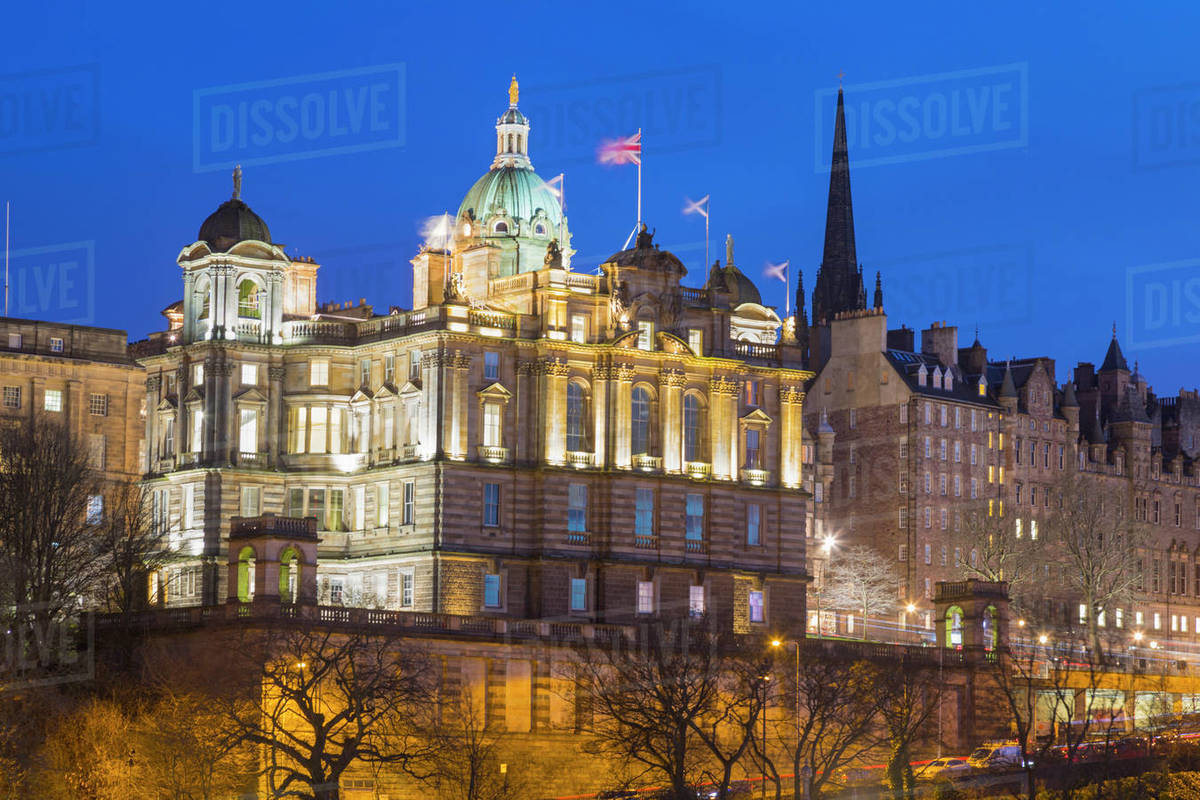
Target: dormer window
922, 375
982, 389
948, 381
937, 377
500, 227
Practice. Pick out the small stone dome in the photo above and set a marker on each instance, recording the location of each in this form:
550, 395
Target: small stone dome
231, 223
645, 255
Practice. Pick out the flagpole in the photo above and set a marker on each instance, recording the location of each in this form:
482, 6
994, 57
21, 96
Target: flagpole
7, 209
787, 290
641, 152
707, 211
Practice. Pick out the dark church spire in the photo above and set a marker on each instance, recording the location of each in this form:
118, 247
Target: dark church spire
878, 291
839, 280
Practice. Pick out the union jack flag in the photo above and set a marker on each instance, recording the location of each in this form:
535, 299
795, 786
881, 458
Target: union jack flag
622, 151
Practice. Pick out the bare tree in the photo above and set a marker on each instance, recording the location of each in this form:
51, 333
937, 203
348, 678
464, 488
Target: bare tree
466, 751
647, 700
1100, 542
990, 547
317, 700
861, 580
49, 553
134, 545
729, 726
834, 710
909, 695
88, 754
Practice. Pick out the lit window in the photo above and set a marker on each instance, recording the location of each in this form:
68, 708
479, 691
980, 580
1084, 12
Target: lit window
249, 374
753, 518
756, 606
381, 505
12, 396
251, 501
197, 374
95, 509
318, 372
248, 431
645, 597
695, 518
579, 594
577, 508
491, 591
645, 335
696, 601
491, 504
491, 425
695, 340
53, 400
14, 341
56, 344
579, 328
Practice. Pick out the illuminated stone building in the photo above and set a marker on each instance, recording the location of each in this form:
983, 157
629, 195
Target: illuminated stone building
526, 441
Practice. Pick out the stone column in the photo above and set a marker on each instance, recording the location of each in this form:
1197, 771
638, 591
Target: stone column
225, 423
670, 407
553, 392
459, 405
153, 387
722, 425
276, 421
601, 391
526, 444
431, 377
189, 313
231, 304
272, 318
622, 412
791, 404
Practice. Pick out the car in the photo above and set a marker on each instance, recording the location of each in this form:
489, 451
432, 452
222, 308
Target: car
859, 776
995, 756
617, 794
940, 768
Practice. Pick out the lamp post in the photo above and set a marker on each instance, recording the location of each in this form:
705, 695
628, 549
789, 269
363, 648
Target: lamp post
796, 690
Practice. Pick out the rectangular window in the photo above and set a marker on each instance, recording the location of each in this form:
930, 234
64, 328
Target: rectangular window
695, 340
295, 504
643, 522
12, 396
197, 375
752, 451
364, 372
903, 413
14, 341
98, 405
957, 417
52, 400
902, 555
579, 594
645, 597
360, 508
695, 518
316, 506
95, 509
579, 328
249, 374
577, 508
928, 554
928, 413
336, 506
902, 523
756, 606
318, 372
408, 509
56, 344
491, 591
645, 335
389, 369
853, 417
189, 506
406, 587
695, 601
382, 504
491, 504
753, 518
96, 450
335, 591
251, 501
491, 366
414, 365
248, 431
958, 486
491, 425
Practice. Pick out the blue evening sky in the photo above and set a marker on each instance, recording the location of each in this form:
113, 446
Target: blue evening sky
1028, 168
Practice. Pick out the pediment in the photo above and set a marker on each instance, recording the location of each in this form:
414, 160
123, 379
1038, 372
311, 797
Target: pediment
194, 395
627, 341
250, 395
409, 388
495, 392
166, 404
670, 343
756, 417
361, 395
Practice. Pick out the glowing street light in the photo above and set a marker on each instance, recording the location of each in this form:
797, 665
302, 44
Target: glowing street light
1043, 639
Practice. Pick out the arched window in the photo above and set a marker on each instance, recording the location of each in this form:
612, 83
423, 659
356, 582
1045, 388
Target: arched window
510, 147
520, 147
248, 300
640, 423
576, 434
202, 299
693, 434
289, 575
539, 229
988, 628
954, 616
245, 574
500, 227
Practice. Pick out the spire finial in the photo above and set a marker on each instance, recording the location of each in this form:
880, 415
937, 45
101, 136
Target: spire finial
840, 75
1114, 329
513, 91
237, 182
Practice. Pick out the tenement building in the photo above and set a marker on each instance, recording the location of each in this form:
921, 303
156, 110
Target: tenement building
921, 442
526, 441
83, 377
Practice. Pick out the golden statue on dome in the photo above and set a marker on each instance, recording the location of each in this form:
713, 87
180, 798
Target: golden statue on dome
513, 90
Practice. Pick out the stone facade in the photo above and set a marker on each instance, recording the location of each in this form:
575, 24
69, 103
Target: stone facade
527, 441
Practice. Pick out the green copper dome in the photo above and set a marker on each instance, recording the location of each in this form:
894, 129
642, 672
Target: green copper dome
514, 197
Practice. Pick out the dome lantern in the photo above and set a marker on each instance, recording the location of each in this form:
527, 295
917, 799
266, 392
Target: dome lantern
512, 134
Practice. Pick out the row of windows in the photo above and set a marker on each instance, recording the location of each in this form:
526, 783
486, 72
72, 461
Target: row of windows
944, 415
1031, 454
52, 400
16, 341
